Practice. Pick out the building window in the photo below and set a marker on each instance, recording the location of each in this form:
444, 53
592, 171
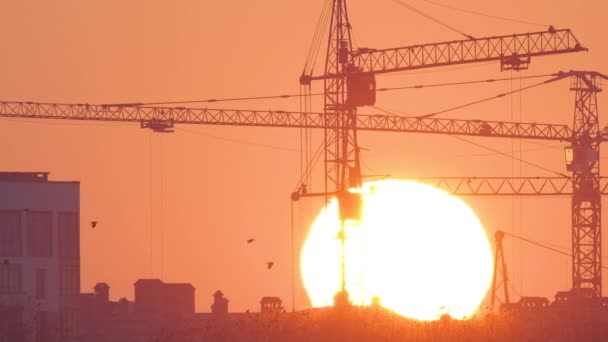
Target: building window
40, 234
68, 323
10, 233
40, 283
69, 235
43, 331
69, 279
10, 278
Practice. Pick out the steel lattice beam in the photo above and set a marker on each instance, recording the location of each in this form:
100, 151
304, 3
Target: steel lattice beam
200, 116
464, 127
513, 51
506, 186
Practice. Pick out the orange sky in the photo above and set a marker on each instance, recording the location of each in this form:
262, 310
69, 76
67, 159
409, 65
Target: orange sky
218, 188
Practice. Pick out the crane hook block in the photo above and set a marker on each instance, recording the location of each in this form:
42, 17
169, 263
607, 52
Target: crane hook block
361, 89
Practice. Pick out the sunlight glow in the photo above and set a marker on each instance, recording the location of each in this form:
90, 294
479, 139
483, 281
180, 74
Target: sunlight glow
423, 252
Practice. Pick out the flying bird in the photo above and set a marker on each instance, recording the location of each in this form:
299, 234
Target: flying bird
93, 224
250, 240
269, 265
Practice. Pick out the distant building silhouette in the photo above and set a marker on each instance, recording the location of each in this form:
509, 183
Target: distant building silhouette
40, 254
179, 298
220, 303
271, 305
575, 297
526, 304
102, 291
158, 306
97, 304
149, 296
152, 296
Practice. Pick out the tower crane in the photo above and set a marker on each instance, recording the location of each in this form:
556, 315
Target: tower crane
349, 83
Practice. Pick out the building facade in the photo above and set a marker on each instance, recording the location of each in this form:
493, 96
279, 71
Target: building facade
40, 254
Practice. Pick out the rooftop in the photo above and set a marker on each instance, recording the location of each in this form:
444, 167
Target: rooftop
24, 176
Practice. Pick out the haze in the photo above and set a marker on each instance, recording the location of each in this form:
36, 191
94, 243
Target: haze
221, 186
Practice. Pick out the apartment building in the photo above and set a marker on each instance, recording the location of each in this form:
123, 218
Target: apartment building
39, 256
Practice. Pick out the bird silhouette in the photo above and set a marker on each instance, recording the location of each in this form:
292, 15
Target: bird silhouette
250, 240
93, 224
269, 265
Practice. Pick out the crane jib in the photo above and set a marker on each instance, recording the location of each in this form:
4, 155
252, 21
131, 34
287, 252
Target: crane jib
512, 51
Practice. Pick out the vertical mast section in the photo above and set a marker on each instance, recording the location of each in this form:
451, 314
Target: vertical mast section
500, 266
342, 169
583, 162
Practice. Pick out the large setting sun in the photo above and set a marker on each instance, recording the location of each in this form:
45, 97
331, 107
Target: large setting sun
422, 252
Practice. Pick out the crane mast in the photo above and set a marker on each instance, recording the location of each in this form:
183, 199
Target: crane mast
584, 163
342, 168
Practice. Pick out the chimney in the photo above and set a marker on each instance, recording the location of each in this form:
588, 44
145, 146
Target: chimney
220, 303
102, 291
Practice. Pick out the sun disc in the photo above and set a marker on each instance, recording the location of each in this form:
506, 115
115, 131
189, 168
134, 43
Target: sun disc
422, 252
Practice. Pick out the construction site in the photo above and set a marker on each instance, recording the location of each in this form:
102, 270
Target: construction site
496, 107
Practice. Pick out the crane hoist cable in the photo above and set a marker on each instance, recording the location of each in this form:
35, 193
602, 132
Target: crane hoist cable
424, 116
509, 156
494, 151
537, 149
150, 205
162, 209
315, 46
307, 94
305, 138
236, 141
428, 16
435, 85
313, 43
302, 152
514, 290
468, 104
514, 198
434, 71
314, 159
485, 15
542, 245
